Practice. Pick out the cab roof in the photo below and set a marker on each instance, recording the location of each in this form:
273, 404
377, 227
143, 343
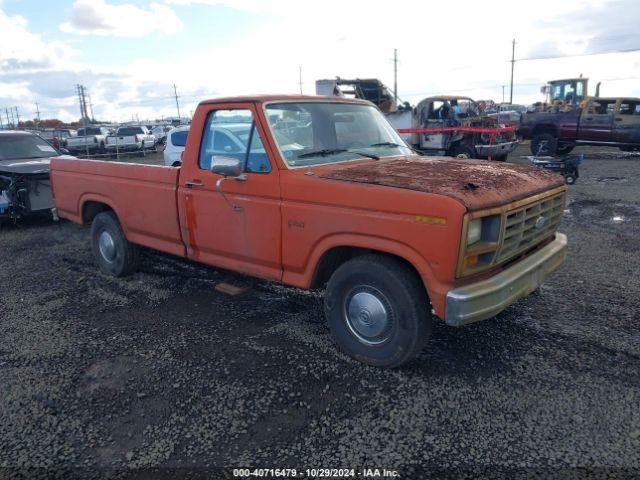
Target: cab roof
283, 98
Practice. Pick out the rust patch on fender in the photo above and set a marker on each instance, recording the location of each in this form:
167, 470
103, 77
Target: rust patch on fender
477, 184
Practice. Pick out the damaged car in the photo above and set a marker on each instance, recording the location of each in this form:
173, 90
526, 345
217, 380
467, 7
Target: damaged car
25, 188
454, 126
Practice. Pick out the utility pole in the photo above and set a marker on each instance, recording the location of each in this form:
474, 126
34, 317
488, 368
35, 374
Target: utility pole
175, 94
300, 78
513, 62
6, 112
395, 74
93, 119
38, 112
18, 117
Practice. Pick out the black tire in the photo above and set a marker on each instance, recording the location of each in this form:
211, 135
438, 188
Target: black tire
385, 282
114, 254
564, 149
461, 150
544, 144
500, 158
569, 179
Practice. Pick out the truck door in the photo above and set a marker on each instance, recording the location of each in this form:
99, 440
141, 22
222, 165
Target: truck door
626, 126
228, 222
596, 121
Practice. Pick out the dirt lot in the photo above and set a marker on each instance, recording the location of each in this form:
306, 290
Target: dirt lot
161, 370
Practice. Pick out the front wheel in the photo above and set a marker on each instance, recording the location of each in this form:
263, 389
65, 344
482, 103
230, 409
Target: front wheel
463, 151
377, 310
114, 253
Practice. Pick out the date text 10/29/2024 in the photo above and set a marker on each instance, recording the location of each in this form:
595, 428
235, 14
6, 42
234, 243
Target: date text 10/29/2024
315, 473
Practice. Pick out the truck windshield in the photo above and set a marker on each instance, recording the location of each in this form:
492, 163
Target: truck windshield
21, 146
82, 132
314, 133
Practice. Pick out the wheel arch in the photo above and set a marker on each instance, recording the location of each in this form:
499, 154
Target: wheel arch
333, 251
92, 204
545, 128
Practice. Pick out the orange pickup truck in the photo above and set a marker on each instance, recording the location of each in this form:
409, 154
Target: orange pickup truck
321, 192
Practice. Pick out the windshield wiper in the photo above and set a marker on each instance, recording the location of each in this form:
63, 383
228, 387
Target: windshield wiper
323, 153
333, 151
387, 144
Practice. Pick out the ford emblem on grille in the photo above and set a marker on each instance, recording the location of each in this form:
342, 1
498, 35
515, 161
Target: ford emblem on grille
540, 221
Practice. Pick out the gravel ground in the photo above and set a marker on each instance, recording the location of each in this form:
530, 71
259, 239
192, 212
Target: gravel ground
160, 370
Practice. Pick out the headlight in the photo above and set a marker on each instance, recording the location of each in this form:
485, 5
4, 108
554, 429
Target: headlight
474, 233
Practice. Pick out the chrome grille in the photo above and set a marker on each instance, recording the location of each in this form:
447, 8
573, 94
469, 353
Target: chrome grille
523, 227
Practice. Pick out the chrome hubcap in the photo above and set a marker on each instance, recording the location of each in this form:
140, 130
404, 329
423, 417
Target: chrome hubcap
368, 317
107, 246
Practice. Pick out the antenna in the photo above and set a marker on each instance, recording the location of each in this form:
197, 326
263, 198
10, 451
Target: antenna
300, 78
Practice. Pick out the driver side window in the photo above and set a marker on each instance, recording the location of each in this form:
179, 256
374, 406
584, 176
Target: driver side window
233, 133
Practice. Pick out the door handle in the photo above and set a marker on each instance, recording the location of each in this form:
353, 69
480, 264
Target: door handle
588, 118
618, 119
193, 183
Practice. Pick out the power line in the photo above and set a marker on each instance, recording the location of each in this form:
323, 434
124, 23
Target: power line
551, 57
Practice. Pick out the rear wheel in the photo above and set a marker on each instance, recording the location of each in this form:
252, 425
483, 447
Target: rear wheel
114, 253
544, 144
376, 308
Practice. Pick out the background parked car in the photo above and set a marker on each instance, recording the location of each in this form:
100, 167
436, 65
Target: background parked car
176, 140
132, 138
25, 187
507, 119
160, 132
61, 135
88, 139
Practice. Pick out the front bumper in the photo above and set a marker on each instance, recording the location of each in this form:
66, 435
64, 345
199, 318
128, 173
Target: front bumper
496, 149
486, 298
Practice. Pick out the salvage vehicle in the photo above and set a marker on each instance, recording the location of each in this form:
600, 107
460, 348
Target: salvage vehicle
454, 126
25, 187
136, 138
324, 193
443, 125
88, 140
611, 122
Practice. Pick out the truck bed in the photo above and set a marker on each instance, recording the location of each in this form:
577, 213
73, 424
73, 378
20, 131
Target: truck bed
142, 196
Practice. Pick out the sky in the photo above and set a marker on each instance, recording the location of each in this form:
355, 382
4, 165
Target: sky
129, 53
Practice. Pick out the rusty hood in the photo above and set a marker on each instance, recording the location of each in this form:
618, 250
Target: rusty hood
476, 184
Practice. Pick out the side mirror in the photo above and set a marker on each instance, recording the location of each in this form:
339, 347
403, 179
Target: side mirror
226, 166
64, 151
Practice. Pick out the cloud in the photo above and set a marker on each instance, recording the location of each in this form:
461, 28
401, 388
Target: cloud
97, 17
27, 50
